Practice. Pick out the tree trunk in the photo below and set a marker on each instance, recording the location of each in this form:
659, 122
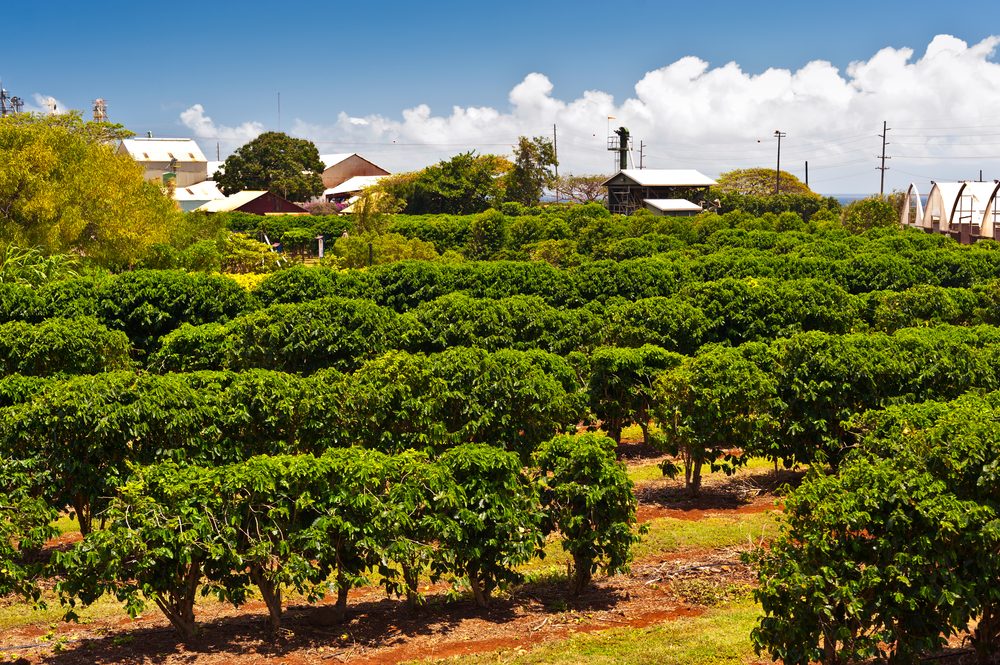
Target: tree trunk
984, 636
411, 578
581, 574
83, 516
695, 485
178, 605
270, 592
644, 426
340, 612
480, 595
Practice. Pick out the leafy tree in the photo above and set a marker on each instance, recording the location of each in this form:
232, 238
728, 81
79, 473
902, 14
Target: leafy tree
275, 162
465, 184
50, 198
871, 213
488, 233
621, 385
895, 552
62, 346
534, 161
385, 248
760, 182
164, 543
373, 210
497, 520
587, 496
26, 522
583, 188
709, 404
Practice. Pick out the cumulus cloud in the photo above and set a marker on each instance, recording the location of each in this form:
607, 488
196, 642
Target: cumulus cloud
203, 127
693, 114
45, 105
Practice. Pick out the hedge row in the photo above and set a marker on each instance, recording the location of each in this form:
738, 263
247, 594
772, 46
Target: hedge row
87, 430
316, 523
896, 552
342, 333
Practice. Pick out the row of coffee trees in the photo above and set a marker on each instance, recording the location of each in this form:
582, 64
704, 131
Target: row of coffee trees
333, 427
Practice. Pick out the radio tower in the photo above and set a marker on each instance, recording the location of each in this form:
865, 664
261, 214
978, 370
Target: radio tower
100, 110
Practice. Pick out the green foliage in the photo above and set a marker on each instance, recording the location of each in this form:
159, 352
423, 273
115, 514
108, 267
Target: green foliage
710, 404
497, 519
353, 251
488, 234
587, 496
533, 172
163, 536
621, 385
33, 267
51, 200
894, 553
465, 184
871, 213
25, 524
61, 346
760, 182
274, 162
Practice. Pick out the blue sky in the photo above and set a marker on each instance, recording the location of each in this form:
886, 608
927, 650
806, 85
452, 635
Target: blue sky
372, 61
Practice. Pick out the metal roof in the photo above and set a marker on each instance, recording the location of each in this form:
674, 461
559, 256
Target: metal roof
163, 150
673, 205
665, 177
355, 184
206, 190
233, 201
333, 160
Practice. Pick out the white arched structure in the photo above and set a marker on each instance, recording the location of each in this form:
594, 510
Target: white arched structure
912, 213
941, 203
991, 214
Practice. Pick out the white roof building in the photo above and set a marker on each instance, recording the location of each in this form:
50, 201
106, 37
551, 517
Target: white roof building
351, 186
672, 207
182, 157
196, 195
632, 189
664, 178
969, 209
163, 150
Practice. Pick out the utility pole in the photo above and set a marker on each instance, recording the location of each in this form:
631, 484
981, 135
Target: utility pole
279, 111
883, 167
555, 153
807, 173
778, 134
642, 155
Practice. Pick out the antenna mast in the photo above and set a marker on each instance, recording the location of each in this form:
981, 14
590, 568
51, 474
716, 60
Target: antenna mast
9, 105
100, 110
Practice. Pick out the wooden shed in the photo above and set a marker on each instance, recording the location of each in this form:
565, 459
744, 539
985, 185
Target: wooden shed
629, 189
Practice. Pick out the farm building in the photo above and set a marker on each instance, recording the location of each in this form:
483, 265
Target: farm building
967, 210
633, 189
255, 203
159, 156
196, 195
349, 190
340, 168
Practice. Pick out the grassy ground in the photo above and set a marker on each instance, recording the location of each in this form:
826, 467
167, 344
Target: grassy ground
720, 636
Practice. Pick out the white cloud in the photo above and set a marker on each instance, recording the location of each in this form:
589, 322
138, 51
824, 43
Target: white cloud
203, 127
45, 104
689, 113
